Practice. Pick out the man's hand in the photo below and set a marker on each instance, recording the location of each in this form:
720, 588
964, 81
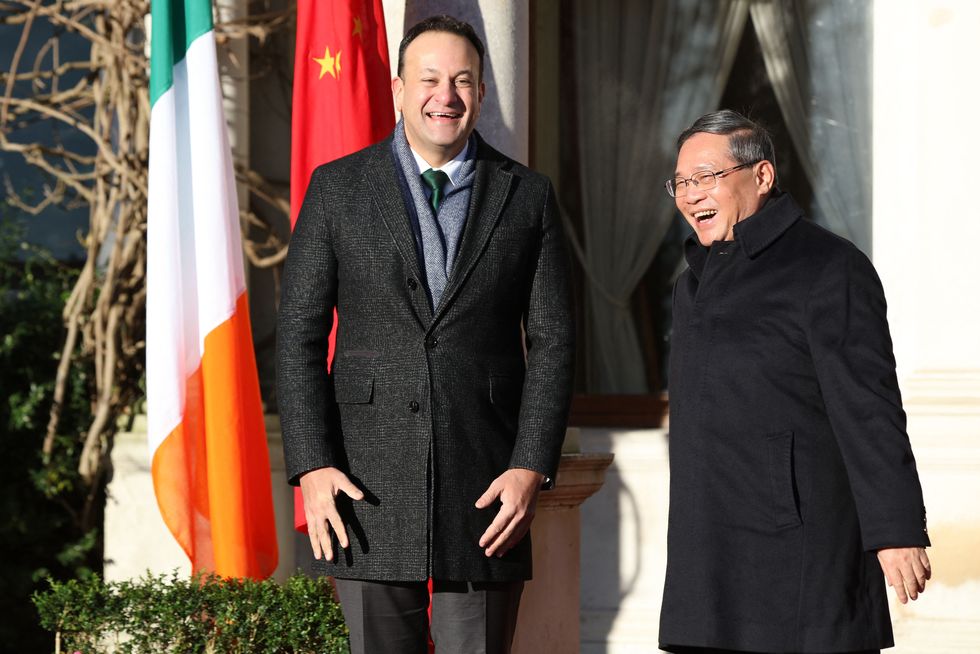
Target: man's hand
518, 490
906, 570
320, 488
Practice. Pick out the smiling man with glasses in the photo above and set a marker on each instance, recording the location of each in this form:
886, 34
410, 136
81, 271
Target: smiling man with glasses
793, 485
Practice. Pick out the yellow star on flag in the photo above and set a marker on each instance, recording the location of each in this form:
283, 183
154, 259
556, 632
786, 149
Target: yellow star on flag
358, 28
329, 64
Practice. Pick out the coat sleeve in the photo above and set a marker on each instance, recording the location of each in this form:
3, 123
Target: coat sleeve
550, 340
852, 353
306, 310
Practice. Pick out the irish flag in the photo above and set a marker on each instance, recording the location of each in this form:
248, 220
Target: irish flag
207, 439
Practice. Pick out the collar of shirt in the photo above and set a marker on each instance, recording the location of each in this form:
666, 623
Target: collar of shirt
451, 168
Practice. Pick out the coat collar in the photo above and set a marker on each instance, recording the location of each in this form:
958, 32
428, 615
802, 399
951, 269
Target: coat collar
381, 177
491, 187
755, 233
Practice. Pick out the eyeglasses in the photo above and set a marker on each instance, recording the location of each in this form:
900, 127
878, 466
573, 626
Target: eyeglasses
703, 180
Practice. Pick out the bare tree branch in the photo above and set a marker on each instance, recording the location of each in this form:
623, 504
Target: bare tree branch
106, 98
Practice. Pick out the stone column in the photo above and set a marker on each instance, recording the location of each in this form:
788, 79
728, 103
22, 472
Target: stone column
624, 543
504, 27
549, 617
925, 237
136, 539
233, 65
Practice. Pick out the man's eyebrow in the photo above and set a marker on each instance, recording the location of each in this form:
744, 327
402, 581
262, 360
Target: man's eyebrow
436, 71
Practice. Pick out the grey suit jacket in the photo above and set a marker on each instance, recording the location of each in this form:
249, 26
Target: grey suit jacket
423, 408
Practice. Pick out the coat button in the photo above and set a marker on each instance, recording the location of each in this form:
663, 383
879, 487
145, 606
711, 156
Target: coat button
431, 342
413, 406
412, 284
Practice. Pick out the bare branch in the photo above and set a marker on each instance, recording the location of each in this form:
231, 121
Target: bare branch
18, 53
106, 98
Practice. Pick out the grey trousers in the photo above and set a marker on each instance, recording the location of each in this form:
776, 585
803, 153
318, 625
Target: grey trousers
392, 617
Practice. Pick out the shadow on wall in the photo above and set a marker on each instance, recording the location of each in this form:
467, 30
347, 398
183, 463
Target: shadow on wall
623, 547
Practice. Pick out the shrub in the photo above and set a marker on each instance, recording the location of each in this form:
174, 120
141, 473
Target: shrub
45, 529
202, 614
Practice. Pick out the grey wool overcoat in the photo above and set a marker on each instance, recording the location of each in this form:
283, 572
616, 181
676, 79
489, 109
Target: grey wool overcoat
423, 409
789, 460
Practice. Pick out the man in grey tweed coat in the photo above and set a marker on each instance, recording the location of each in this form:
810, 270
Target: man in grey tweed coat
421, 453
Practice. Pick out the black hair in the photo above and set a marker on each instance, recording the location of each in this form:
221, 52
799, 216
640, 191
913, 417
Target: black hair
441, 23
748, 140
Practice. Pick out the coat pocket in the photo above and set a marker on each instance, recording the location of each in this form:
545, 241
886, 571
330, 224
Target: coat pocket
782, 481
354, 389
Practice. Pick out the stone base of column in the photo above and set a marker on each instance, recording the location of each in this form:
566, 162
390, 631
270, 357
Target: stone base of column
549, 617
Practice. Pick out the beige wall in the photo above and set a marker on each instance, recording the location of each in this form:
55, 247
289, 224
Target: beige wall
925, 244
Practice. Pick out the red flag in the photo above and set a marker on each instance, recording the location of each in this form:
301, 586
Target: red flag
341, 85
341, 98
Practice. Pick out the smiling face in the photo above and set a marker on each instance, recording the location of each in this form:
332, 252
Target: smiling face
439, 94
713, 213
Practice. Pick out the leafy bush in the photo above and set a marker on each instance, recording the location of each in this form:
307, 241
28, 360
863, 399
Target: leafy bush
48, 520
201, 614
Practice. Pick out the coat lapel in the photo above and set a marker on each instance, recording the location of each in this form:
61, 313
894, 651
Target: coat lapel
490, 190
382, 180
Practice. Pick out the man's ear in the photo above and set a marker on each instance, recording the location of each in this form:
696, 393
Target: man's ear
765, 177
397, 87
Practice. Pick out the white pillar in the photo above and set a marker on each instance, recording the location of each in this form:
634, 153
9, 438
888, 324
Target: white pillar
504, 27
394, 28
549, 615
233, 66
624, 543
926, 236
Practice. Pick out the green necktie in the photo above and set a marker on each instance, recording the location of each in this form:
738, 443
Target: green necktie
435, 180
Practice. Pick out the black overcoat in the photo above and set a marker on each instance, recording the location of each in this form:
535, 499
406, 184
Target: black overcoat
789, 460
422, 408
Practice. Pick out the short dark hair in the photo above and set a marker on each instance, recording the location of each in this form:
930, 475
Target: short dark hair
441, 23
748, 140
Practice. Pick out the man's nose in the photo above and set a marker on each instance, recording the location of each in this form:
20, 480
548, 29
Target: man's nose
694, 193
446, 93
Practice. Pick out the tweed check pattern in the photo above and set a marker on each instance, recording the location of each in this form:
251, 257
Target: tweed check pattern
424, 408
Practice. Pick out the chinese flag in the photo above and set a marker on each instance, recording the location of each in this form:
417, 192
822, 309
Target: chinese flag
341, 97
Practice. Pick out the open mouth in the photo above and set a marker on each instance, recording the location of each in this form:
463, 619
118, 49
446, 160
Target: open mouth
704, 215
443, 115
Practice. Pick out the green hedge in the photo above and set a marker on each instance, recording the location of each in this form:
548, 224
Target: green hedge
46, 528
202, 614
